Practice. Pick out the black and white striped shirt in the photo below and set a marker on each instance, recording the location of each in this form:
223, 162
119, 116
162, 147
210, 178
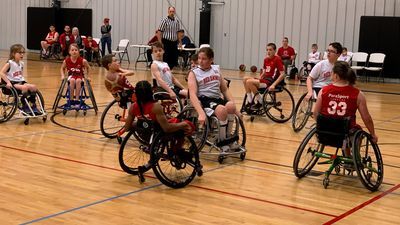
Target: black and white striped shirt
170, 27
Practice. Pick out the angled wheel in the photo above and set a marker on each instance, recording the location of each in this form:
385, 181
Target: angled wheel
367, 160
174, 165
305, 158
133, 154
200, 135
301, 114
8, 103
112, 119
239, 131
59, 94
91, 95
278, 104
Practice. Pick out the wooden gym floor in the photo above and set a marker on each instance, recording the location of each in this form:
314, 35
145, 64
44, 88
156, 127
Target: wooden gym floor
66, 172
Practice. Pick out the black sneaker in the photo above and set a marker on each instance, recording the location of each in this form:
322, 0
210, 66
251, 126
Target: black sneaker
256, 106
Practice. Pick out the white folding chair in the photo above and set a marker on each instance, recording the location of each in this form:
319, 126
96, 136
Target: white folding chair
377, 59
122, 50
359, 57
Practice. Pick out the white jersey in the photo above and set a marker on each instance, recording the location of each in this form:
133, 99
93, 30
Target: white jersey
15, 73
345, 58
208, 82
321, 73
314, 57
165, 73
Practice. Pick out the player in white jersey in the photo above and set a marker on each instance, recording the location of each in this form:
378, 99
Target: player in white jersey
162, 73
320, 75
12, 75
209, 91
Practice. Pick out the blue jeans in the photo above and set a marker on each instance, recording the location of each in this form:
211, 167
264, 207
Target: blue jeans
104, 41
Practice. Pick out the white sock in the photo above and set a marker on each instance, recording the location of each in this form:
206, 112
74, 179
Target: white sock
258, 98
222, 129
249, 97
231, 119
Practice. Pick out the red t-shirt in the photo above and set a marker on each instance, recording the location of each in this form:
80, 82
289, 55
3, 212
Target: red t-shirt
118, 85
75, 69
340, 102
272, 66
86, 43
147, 111
286, 53
51, 35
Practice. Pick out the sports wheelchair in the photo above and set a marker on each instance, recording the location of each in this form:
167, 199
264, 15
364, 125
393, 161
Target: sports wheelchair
324, 142
53, 51
11, 100
65, 93
207, 140
278, 104
173, 157
305, 71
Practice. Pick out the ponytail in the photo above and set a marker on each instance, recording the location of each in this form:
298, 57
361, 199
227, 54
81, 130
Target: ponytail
344, 71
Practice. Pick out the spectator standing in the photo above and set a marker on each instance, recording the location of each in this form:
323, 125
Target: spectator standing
106, 36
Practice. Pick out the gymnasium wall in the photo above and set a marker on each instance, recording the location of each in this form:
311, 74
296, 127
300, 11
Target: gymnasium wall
239, 30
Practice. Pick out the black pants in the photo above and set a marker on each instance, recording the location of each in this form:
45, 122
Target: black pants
171, 52
149, 57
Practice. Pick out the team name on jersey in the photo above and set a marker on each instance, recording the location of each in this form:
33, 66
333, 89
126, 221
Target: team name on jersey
165, 69
17, 73
338, 96
210, 78
326, 74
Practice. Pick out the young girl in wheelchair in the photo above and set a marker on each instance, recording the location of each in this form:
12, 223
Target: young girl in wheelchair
272, 74
116, 82
76, 67
12, 75
341, 99
208, 90
162, 74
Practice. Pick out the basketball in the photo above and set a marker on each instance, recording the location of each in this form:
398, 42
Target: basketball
253, 69
242, 67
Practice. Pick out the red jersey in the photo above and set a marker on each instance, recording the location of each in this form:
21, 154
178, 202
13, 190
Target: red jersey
118, 85
340, 102
87, 43
272, 66
51, 35
286, 53
147, 111
75, 69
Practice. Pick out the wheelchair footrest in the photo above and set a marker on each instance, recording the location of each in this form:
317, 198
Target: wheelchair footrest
227, 141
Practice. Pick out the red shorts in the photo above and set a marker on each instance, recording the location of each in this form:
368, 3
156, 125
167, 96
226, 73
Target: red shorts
50, 42
75, 77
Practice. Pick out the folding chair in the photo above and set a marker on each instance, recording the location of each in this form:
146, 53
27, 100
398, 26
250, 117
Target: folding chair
359, 57
122, 49
377, 59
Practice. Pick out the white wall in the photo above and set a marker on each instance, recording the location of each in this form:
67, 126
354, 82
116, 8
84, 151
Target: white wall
240, 29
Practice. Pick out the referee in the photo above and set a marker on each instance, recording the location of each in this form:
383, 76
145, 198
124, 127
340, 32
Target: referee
167, 34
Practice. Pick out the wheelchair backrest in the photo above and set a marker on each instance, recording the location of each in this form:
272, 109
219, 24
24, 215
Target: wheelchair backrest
332, 131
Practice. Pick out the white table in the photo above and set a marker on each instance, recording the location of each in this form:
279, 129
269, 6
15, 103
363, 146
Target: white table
142, 57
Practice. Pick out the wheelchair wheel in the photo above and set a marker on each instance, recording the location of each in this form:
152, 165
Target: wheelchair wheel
133, 154
91, 95
305, 158
174, 167
59, 94
239, 131
172, 108
278, 104
8, 103
301, 113
367, 160
112, 119
200, 136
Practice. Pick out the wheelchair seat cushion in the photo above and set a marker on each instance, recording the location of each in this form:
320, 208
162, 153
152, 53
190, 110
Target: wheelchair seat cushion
332, 131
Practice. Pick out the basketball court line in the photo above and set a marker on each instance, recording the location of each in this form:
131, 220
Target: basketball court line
114, 169
362, 205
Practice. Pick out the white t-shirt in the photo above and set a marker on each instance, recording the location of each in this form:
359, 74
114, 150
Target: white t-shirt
321, 73
345, 58
15, 73
208, 82
165, 73
314, 57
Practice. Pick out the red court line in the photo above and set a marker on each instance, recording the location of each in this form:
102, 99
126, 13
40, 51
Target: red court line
263, 200
199, 187
362, 205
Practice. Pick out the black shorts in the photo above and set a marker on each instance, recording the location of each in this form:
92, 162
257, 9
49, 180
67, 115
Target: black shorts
316, 90
211, 103
18, 82
175, 89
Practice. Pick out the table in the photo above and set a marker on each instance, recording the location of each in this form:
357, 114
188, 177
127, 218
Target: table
186, 57
142, 57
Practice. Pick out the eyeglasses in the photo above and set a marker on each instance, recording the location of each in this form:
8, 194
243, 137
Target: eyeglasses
331, 51
21, 52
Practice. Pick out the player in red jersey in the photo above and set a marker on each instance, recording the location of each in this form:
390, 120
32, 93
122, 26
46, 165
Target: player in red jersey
272, 74
75, 66
115, 79
341, 99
